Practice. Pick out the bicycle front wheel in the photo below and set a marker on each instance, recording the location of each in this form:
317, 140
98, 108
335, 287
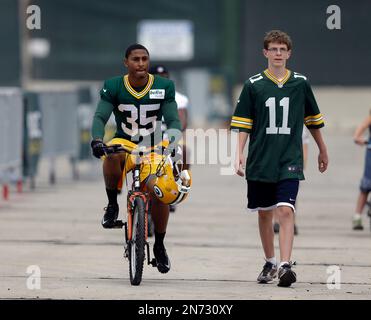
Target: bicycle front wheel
137, 242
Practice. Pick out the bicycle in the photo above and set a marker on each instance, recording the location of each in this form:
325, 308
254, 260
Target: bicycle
138, 204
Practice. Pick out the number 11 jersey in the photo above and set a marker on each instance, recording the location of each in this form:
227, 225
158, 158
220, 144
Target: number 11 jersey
273, 113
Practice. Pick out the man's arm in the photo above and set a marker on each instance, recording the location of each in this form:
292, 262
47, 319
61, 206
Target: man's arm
240, 158
101, 116
322, 157
171, 116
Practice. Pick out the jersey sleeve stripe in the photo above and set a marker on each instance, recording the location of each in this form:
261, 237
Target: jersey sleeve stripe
315, 123
242, 123
246, 120
317, 117
239, 125
314, 120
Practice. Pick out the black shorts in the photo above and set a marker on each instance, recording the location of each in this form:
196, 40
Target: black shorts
267, 196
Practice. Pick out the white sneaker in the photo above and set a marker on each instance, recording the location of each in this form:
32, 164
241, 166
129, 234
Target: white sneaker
357, 223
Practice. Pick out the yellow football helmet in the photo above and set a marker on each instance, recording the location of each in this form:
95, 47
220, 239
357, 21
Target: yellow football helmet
170, 189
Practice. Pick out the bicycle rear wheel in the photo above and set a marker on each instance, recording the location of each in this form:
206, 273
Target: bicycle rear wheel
137, 242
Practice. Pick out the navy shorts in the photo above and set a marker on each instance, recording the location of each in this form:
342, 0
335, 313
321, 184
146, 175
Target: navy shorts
365, 185
267, 196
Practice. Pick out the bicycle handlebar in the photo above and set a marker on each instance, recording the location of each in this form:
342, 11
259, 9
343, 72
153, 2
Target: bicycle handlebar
119, 148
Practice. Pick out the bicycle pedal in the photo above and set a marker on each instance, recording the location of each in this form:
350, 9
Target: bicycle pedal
118, 224
153, 262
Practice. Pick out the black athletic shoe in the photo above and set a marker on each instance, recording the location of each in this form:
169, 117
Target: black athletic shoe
285, 275
162, 260
110, 216
268, 273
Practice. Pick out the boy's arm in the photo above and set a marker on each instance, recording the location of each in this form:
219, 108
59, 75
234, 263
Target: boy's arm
240, 158
322, 156
242, 122
358, 134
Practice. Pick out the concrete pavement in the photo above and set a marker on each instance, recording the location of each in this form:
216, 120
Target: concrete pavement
212, 241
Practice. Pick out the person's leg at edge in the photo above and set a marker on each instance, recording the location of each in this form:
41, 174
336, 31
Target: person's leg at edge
361, 202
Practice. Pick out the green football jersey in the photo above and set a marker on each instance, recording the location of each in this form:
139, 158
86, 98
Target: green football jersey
137, 114
273, 113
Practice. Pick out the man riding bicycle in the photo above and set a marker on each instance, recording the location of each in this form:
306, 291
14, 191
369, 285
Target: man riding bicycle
138, 101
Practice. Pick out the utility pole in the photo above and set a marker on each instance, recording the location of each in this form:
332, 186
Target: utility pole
24, 35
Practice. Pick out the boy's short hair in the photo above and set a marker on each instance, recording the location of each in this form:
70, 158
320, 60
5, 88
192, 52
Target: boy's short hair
277, 36
134, 46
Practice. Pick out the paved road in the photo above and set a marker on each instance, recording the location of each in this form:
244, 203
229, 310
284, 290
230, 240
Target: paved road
212, 241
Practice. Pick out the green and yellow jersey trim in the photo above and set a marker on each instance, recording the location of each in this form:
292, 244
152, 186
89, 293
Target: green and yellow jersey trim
239, 122
270, 76
314, 120
134, 93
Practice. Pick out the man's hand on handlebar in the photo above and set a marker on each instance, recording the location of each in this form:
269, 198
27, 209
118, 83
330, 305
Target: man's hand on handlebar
100, 149
97, 147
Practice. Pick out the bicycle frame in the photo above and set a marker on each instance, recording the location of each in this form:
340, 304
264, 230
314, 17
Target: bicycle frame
135, 192
136, 227
132, 194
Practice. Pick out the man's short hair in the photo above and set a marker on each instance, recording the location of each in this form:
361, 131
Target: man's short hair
134, 46
277, 36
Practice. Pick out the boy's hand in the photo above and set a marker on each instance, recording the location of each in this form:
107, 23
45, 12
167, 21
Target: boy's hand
239, 165
322, 161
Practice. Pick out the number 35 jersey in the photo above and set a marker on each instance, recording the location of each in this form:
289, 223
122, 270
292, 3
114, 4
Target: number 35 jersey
137, 114
273, 113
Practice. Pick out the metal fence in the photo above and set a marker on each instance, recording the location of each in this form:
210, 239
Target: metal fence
11, 134
59, 123
65, 126
43, 124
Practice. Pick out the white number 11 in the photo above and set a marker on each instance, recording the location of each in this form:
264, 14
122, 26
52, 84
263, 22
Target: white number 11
271, 104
